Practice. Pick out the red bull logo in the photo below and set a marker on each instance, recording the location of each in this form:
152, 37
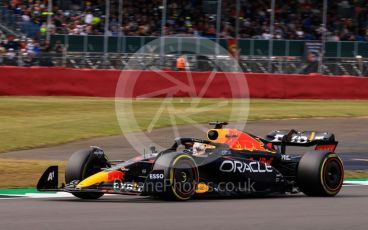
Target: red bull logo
240, 141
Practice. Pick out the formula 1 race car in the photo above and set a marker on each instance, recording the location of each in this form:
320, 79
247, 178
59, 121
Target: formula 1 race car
229, 163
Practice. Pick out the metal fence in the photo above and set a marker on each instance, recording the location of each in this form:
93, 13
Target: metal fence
331, 66
182, 45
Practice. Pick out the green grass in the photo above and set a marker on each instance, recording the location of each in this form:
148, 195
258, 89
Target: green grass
30, 122
15, 173
356, 174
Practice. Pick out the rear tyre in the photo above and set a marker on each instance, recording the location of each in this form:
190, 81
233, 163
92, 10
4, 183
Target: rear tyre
320, 173
81, 165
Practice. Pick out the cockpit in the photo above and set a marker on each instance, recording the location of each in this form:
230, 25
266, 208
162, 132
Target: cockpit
201, 149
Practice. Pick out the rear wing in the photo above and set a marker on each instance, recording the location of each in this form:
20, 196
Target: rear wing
283, 138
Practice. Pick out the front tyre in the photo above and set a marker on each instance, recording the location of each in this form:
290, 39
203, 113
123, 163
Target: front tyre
182, 175
83, 164
320, 173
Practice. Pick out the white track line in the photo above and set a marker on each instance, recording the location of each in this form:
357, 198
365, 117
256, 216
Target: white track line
355, 183
68, 195
49, 195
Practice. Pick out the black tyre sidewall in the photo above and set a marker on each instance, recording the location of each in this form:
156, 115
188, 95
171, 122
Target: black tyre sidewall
310, 173
168, 163
79, 167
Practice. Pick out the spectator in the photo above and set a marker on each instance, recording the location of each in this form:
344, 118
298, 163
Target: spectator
45, 46
10, 58
11, 43
2, 55
180, 63
21, 51
58, 48
295, 19
312, 63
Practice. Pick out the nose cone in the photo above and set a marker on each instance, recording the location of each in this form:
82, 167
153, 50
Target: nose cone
94, 179
100, 177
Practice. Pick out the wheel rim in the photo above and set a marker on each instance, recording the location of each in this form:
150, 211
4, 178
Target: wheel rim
333, 174
185, 177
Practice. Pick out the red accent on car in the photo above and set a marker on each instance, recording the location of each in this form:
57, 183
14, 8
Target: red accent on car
114, 175
270, 145
265, 160
328, 147
239, 140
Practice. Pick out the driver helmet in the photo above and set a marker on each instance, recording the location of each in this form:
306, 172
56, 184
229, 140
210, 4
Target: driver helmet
199, 149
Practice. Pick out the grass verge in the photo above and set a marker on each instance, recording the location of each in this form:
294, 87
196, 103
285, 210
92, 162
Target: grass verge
25, 173
30, 122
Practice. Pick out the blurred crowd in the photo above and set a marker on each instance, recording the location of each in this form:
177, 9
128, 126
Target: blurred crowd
27, 51
295, 19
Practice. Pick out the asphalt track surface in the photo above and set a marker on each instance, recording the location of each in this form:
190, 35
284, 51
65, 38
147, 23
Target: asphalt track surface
350, 132
346, 211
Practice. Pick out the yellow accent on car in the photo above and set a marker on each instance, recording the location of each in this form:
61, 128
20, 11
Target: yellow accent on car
94, 179
321, 173
202, 188
172, 175
222, 133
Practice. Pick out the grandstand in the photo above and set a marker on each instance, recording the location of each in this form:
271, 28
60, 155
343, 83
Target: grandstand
105, 34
